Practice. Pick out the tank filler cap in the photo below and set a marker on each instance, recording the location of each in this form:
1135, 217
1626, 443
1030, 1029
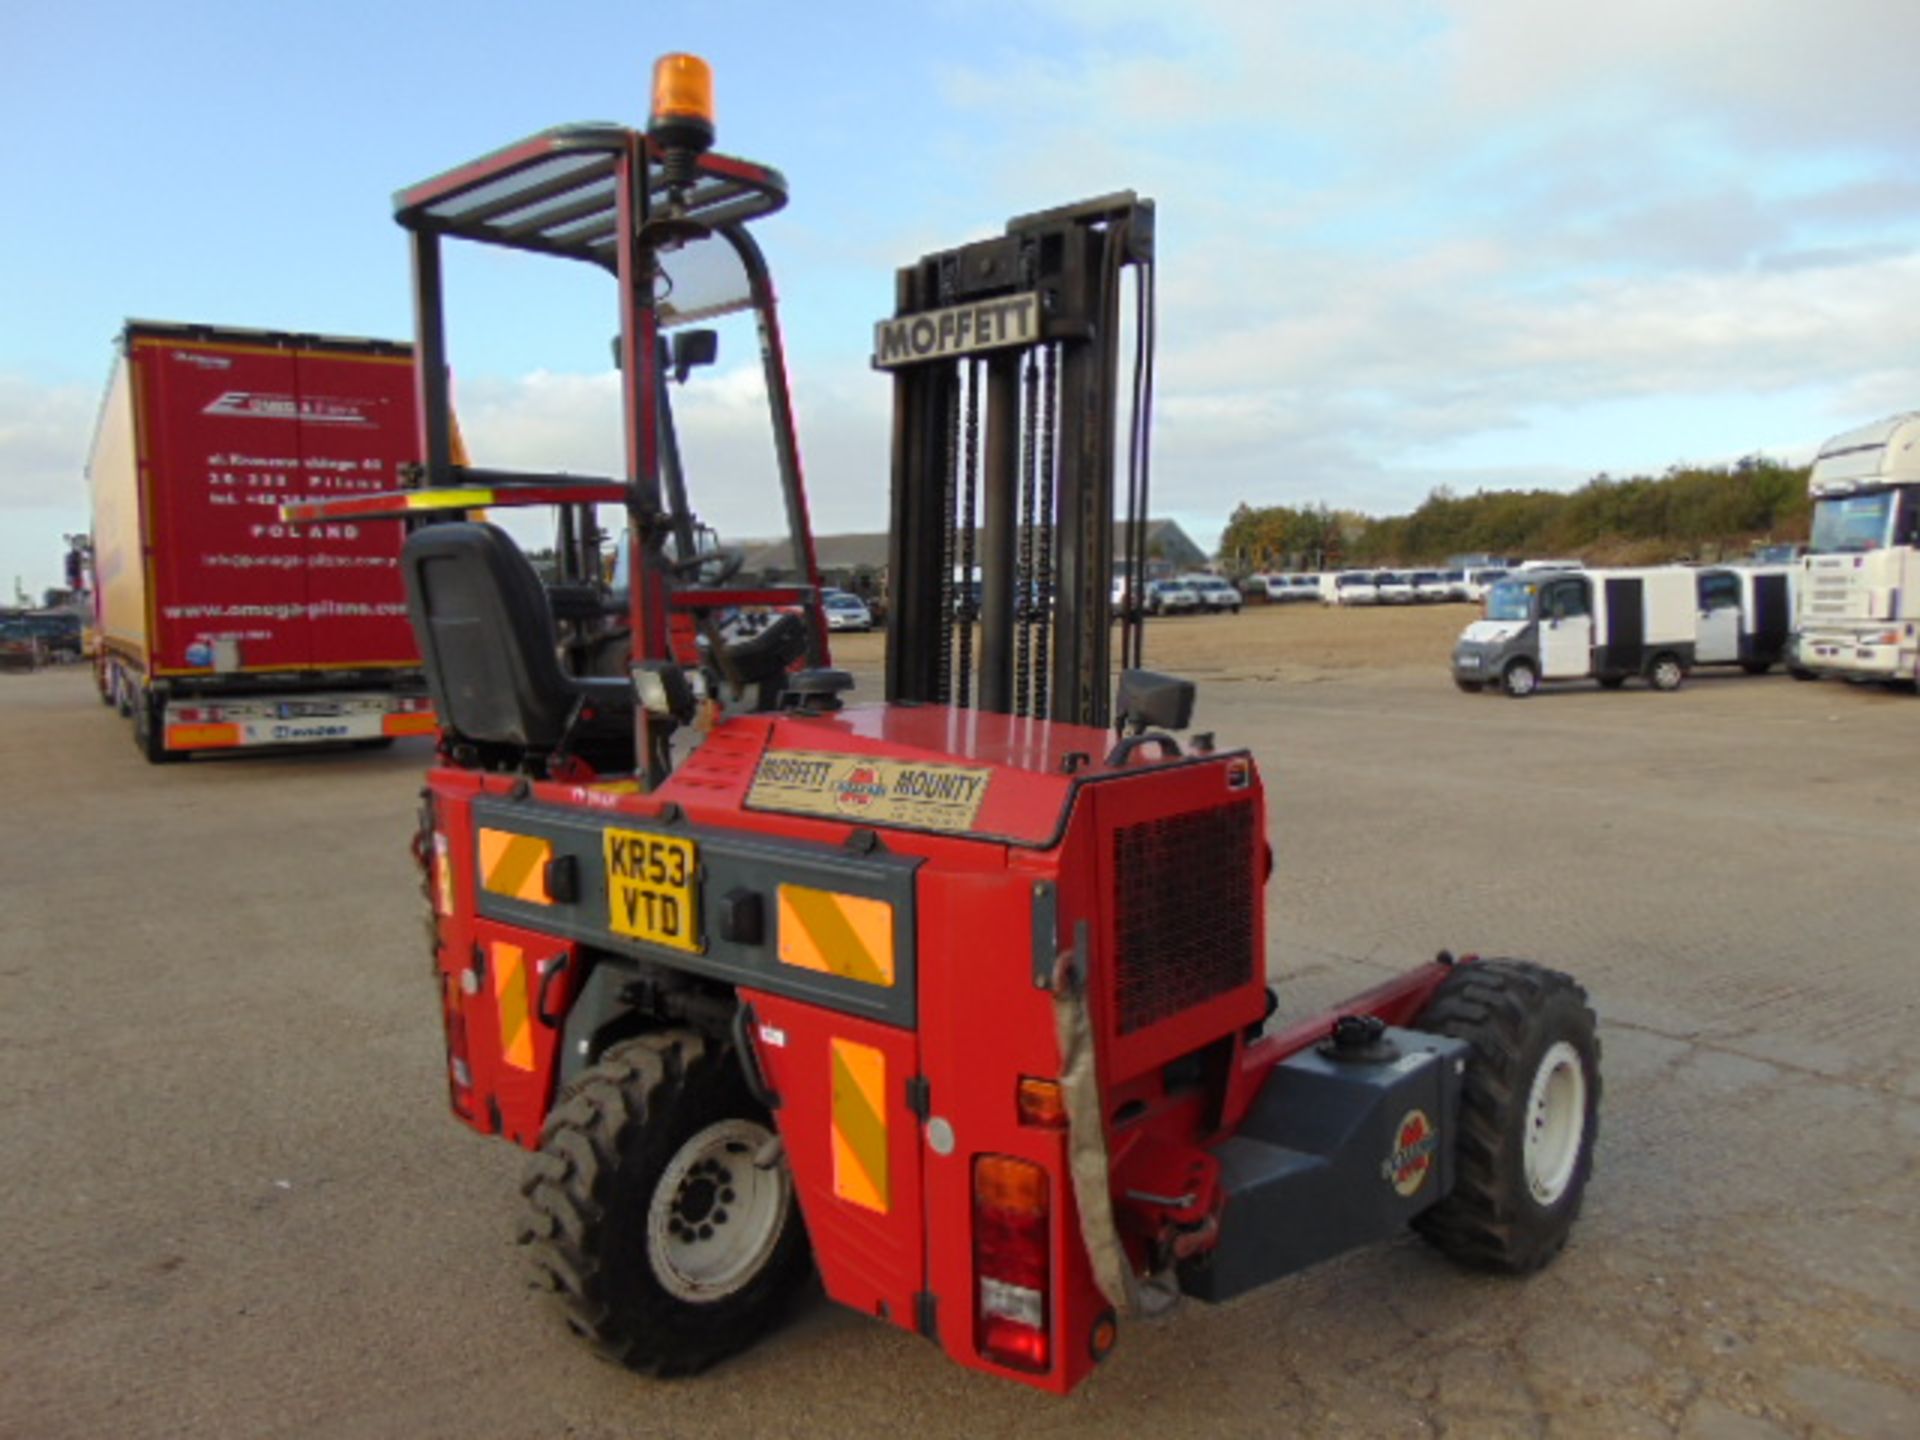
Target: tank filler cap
1360, 1039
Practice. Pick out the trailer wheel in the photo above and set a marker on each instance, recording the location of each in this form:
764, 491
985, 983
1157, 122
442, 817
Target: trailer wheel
150, 735
1666, 672
662, 1241
1520, 679
1529, 1113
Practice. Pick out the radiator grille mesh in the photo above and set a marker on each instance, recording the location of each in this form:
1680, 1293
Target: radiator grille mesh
1184, 912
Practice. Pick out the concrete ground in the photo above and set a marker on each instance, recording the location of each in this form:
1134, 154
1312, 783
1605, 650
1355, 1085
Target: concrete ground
232, 1203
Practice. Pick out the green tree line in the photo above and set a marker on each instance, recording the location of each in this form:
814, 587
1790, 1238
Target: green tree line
1691, 512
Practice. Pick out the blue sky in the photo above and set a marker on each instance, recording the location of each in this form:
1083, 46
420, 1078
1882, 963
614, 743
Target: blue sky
1403, 244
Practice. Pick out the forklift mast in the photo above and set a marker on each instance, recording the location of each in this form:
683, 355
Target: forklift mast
1027, 328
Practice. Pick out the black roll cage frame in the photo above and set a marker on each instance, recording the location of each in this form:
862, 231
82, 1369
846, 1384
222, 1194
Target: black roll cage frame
599, 193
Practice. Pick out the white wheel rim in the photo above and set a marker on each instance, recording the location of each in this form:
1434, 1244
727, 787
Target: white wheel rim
1520, 680
1556, 1122
715, 1218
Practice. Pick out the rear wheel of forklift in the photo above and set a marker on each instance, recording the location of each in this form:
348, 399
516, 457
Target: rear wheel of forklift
659, 1210
1529, 1113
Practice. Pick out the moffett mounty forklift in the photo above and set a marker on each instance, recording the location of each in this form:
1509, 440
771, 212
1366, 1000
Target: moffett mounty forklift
960, 999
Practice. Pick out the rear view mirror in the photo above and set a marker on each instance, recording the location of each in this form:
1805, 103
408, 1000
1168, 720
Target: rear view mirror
692, 348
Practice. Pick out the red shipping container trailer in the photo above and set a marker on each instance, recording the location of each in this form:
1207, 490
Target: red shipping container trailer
220, 625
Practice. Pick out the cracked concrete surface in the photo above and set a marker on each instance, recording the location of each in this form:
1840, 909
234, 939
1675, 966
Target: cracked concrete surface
231, 1202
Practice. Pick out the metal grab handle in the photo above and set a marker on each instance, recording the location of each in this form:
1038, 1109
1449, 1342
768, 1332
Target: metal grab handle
757, 1085
552, 1022
1121, 753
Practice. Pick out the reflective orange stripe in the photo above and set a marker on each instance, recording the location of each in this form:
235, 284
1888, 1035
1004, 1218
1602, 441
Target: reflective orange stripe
846, 935
860, 1124
422, 723
202, 737
510, 999
515, 865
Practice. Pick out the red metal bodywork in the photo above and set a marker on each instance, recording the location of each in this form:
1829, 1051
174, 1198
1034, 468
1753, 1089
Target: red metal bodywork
982, 1021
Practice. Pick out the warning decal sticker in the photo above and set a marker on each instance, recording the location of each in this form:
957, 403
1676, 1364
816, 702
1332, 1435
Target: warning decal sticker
1414, 1141
868, 791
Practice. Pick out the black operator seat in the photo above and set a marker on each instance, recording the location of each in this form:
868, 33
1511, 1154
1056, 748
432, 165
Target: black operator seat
487, 643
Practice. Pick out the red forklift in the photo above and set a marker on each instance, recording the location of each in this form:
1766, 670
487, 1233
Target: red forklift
958, 1000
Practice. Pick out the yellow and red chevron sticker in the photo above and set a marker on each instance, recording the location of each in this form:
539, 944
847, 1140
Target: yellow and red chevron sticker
860, 1124
515, 865
509, 966
846, 935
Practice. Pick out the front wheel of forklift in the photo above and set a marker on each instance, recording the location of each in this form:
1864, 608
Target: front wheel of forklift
1529, 1113
662, 1241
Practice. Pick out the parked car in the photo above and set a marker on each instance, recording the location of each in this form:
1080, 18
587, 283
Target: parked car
1355, 587
1171, 597
20, 647
1393, 587
1481, 580
1213, 593
1430, 587
1456, 584
845, 611
1287, 589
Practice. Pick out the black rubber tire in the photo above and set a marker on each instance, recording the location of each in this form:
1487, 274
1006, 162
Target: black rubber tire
1666, 673
1799, 674
1520, 679
1511, 1012
588, 1188
1756, 667
149, 736
1612, 682
1470, 687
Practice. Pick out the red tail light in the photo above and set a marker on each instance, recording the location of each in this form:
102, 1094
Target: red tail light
459, 1063
1011, 1262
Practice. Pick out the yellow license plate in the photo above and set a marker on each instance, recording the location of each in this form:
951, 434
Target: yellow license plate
651, 894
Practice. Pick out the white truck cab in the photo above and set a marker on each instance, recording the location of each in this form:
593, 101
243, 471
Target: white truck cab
1858, 608
1605, 625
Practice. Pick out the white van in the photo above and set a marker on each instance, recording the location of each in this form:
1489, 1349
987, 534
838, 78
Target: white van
1355, 587
1481, 580
1745, 615
1608, 625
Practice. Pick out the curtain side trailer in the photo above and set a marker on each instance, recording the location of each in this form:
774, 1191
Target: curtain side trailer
220, 626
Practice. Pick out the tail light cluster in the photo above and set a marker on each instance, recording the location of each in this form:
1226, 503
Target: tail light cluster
459, 1062
1012, 1260
197, 714
413, 704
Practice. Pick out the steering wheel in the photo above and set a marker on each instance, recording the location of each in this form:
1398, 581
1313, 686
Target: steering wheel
727, 561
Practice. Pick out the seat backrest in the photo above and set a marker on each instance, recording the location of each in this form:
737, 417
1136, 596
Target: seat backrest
486, 636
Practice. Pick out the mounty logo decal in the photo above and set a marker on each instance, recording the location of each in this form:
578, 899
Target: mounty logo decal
1414, 1142
313, 409
925, 796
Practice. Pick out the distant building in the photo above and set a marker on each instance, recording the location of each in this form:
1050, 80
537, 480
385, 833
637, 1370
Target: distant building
859, 562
